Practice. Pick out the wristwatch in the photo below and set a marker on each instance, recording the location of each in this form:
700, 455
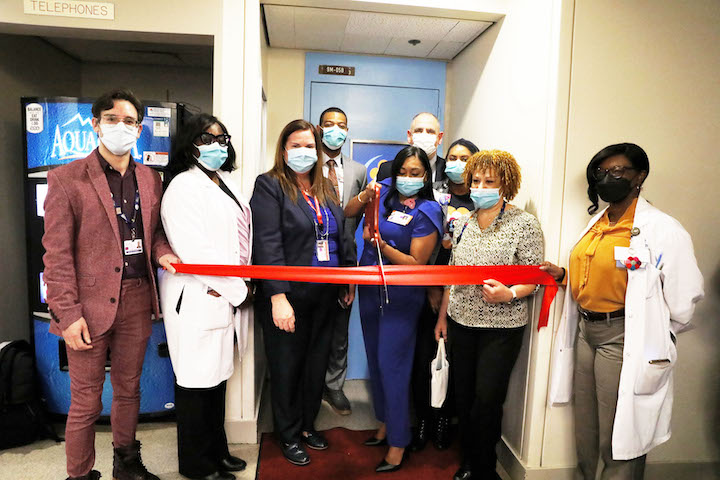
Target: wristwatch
514, 296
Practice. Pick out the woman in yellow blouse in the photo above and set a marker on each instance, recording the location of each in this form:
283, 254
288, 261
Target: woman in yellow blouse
633, 282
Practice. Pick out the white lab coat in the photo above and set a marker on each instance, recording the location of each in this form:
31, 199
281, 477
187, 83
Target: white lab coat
657, 302
201, 226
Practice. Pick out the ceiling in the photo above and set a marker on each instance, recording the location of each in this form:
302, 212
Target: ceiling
114, 51
369, 32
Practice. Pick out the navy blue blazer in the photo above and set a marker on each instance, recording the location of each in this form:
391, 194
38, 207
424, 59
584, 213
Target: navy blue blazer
284, 234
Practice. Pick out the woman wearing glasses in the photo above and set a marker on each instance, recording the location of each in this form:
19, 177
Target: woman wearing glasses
633, 284
207, 221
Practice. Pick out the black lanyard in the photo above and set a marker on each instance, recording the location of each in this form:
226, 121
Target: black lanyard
132, 221
502, 210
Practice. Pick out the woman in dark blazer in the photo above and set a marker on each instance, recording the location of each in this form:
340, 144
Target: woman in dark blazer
297, 221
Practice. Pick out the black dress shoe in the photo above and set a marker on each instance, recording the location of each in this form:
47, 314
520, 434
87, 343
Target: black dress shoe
463, 473
232, 464
441, 439
386, 467
314, 440
337, 401
421, 435
375, 442
216, 476
295, 453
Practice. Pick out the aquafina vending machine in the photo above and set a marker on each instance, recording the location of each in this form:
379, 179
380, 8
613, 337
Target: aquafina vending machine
56, 131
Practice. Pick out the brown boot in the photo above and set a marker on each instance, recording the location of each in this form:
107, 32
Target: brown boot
127, 464
93, 475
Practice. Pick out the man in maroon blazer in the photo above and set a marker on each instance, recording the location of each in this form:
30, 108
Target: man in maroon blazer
103, 241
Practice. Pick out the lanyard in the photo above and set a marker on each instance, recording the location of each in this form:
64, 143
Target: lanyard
315, 209
502, 210
319, 211
131, 222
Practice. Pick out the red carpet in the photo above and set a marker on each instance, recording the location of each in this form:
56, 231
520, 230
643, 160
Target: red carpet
348, 459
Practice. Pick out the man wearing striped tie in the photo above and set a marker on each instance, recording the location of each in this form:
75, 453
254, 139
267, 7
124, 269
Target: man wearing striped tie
349, 179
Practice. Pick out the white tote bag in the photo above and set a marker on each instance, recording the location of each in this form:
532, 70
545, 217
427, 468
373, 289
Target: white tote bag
439, 375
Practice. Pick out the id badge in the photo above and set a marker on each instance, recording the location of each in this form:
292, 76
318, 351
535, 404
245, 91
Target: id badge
323, 250
399, 218
133, 247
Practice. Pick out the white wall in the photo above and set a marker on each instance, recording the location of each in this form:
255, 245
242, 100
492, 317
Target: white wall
647, 72
191, 85
285, 92
28, 67
498, 95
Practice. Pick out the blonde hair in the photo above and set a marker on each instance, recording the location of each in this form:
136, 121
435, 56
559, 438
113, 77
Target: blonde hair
502, 164
320, 187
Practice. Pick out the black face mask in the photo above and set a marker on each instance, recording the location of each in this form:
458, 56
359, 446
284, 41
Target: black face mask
613, 190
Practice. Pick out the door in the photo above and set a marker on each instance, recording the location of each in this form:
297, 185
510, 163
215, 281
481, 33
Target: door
380, 101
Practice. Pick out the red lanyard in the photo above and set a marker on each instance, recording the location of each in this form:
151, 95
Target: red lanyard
317, 210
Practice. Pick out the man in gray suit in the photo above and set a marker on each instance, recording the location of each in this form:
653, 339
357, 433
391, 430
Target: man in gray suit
349, 179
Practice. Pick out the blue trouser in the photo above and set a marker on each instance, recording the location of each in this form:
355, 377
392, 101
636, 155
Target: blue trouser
390, 336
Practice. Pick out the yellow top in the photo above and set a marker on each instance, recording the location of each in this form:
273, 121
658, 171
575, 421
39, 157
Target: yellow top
597, 284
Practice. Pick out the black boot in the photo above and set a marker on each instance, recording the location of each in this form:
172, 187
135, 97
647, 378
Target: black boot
441, 439
422, 432
127, 464
93, 475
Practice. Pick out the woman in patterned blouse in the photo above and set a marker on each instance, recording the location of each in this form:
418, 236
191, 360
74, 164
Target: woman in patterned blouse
486, 322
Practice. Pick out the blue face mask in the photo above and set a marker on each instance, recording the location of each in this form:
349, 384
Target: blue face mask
484, 198
409, 186
333, 137
212, 156
454, 170
301, 160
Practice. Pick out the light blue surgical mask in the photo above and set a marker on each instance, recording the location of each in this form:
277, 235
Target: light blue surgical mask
212, 156
484, 198
333, 137
454, 170
409, 186
301, 160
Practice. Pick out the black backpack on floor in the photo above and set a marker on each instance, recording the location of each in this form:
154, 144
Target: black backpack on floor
22, 414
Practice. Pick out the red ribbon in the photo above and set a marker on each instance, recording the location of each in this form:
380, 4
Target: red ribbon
393, 275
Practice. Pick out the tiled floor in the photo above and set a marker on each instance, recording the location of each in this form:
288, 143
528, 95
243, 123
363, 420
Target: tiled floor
46, 459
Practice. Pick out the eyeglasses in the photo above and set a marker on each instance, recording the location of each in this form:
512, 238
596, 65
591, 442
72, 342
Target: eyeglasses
114, 119
208, 138
615, 172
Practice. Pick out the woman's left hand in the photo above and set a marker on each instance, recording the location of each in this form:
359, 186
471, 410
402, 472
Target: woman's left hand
496, 292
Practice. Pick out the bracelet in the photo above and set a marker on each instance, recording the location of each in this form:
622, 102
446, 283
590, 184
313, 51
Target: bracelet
563, 275
358, 197
514, 293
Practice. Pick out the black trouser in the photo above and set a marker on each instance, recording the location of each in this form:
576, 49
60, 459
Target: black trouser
425, 351
200, 414
481, 362
298, 361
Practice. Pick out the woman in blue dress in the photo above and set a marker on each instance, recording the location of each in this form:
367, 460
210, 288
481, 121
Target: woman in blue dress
410, 226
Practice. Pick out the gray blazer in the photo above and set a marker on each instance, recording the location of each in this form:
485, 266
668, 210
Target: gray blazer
354, 182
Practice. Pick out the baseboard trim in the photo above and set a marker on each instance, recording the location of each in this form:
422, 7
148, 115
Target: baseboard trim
653, 470
246, 431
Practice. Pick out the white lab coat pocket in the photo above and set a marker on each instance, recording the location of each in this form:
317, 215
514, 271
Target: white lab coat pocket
653, 373
439, 376
204, 311
654, 281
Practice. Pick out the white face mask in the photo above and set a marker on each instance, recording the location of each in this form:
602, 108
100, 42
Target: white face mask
426, 141
118, 138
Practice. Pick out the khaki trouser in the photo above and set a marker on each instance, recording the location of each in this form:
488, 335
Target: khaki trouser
597, 377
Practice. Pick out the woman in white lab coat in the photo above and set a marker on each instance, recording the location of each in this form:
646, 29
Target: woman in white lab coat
633, 283
207, 221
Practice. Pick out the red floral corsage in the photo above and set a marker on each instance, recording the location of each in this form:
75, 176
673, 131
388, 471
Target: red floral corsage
633, 263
